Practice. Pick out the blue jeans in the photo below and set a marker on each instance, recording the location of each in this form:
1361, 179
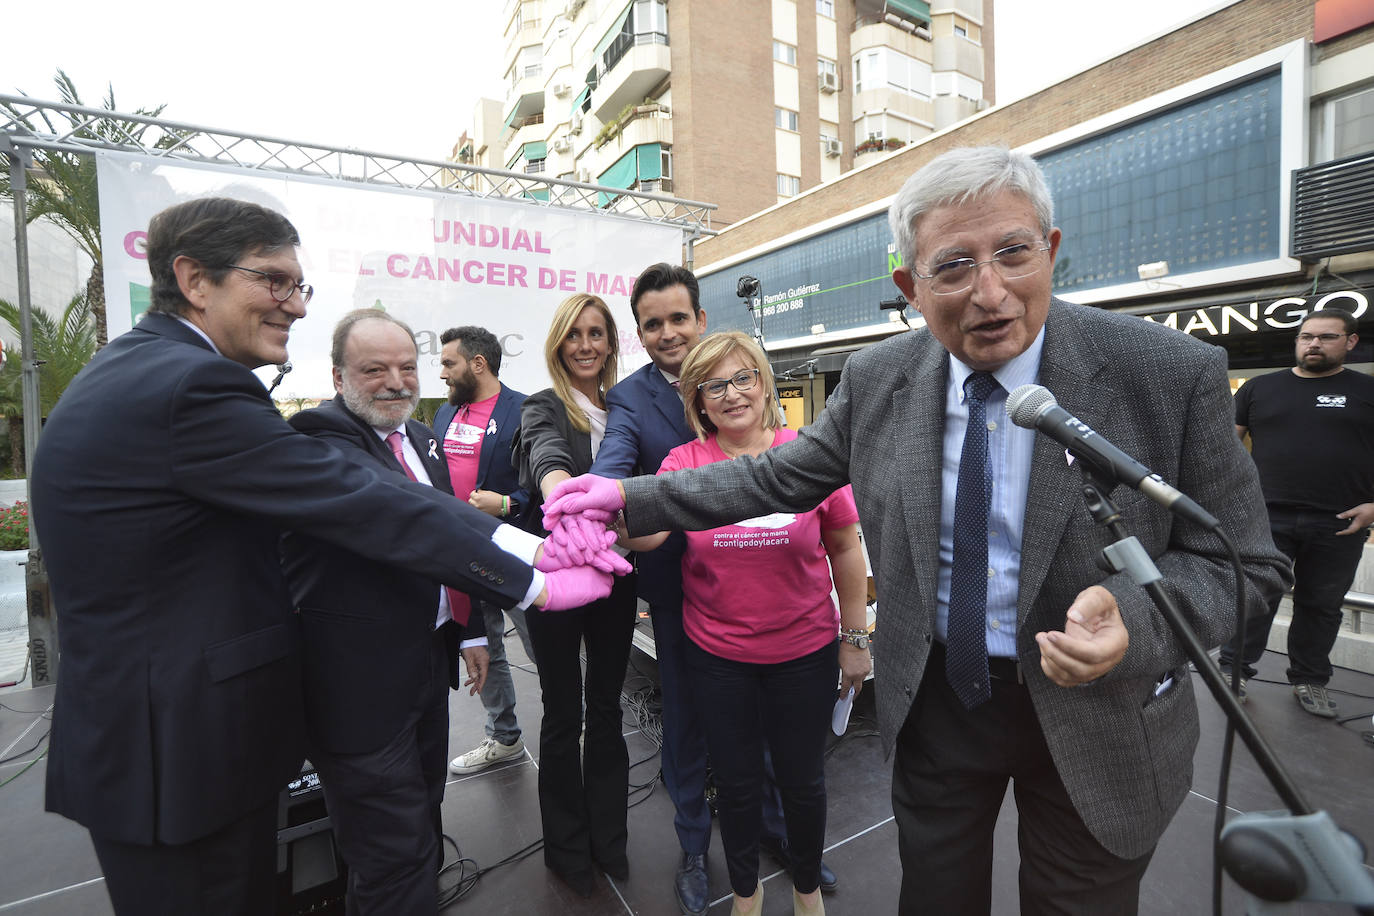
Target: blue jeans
1324, 566
498, 693
784, 707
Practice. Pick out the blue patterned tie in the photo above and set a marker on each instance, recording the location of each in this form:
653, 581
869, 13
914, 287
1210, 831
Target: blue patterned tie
966, 637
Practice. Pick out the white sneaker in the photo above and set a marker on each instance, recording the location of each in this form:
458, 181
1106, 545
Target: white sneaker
484, 755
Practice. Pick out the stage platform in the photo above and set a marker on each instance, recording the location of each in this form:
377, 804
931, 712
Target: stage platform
47, 867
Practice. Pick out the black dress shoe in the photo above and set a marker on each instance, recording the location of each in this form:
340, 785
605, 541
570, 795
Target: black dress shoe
779, 850
582, 881
690, 884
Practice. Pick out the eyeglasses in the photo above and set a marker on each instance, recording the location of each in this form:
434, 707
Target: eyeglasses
742, 380
280, 285
1012, 263
1324, 338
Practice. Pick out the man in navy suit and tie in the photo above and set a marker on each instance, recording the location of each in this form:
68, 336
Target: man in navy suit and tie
476, 427
161, 485
380, 641
646, 422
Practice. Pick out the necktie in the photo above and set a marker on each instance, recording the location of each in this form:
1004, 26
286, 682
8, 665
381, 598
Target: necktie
456, 600
966, 639
394, 440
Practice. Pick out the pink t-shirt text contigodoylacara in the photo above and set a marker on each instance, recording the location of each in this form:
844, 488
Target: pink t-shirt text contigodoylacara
759, 591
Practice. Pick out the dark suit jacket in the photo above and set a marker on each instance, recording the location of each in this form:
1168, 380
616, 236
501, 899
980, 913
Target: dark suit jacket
495, 470
366, 625
645, 423
548, 442
1124, 756
160, 486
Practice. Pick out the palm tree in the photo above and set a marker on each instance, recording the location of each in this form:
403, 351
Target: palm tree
61, 347
65, 187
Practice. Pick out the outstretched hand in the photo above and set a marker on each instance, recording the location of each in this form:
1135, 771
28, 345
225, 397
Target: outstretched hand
574, 587
1093, 641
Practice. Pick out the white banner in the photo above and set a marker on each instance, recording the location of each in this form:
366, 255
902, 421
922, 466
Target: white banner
433, 260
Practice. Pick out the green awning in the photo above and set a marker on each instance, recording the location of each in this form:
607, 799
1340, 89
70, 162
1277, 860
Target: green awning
581, 97
650, 162
613, 32
536, 149
622, 173
911, 9
643, 163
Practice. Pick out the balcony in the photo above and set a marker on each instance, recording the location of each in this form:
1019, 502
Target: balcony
1331, 206
960, 56
632, 77
525, 130
648, 123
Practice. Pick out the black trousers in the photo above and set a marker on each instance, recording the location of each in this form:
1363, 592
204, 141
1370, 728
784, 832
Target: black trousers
948, 780
783, 707
1324, 566
231, 872
384, 805
583, 793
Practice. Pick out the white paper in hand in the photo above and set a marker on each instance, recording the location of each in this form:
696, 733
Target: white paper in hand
839, 719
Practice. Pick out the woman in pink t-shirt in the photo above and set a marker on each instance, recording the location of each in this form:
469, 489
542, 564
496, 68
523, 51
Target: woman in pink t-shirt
762, 652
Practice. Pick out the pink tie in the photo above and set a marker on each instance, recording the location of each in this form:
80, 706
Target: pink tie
456, 600
394, 440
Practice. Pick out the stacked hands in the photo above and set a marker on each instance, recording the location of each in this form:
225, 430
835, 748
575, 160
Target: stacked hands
577, 558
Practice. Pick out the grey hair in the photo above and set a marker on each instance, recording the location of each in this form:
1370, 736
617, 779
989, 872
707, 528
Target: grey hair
962, 175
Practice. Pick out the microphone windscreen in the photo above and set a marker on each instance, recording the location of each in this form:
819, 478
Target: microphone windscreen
1027, 402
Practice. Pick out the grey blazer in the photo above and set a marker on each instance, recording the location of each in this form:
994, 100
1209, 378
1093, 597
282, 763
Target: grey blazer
1125, 756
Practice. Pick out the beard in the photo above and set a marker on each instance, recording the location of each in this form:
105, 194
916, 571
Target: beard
462, 390
383, 410
1320, 362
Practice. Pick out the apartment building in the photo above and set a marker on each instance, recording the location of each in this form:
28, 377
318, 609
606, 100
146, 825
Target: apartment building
743, 103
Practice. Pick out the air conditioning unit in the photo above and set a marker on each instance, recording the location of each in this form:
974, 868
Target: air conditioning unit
576, 126
830, 82
562, 145
584, 175
561, 89
833, 146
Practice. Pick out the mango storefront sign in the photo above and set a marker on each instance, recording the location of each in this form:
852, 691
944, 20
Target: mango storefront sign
1260, 316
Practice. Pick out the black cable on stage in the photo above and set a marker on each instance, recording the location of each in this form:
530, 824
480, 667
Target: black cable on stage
1229, 741
29, 750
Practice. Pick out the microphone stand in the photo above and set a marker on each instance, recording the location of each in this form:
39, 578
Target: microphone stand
1276, 857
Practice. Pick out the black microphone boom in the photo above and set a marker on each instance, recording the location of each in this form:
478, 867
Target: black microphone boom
1034, 407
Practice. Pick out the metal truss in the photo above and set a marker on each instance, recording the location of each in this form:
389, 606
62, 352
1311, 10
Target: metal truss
27, 124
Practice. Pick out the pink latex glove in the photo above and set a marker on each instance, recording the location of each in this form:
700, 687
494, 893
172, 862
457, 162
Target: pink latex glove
582, 494
554, 558
578, 540
574, 587
610, 561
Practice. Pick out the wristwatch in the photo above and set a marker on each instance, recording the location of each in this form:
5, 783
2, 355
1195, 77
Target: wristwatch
856, 638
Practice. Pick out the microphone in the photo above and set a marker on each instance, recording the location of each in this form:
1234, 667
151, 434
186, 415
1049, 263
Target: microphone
1034, 407
281, 374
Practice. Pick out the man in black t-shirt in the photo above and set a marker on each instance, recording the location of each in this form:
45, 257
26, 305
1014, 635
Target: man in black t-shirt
1312, 438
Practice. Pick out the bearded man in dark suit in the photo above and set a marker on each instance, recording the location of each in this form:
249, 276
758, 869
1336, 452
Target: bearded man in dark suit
380, 642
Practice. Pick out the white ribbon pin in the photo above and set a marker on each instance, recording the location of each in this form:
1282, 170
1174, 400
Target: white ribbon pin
432, 449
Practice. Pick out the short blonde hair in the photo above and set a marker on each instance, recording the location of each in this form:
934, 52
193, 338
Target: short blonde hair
696, 368
564, 317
